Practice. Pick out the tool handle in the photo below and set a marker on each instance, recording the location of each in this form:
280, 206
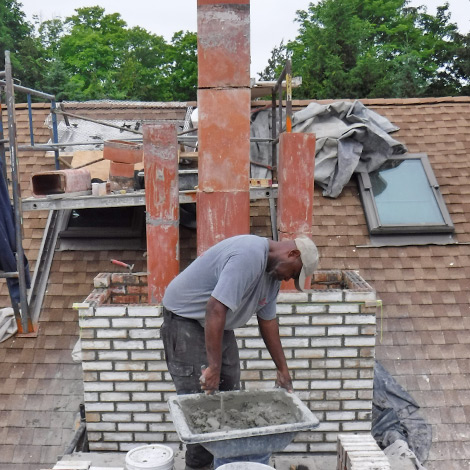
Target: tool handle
119, 263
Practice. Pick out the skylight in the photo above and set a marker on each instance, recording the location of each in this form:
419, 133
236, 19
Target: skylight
403, 197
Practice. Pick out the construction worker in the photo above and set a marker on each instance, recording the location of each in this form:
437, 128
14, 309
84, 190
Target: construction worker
220, 291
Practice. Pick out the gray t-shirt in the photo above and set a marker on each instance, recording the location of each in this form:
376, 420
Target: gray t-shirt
234, 273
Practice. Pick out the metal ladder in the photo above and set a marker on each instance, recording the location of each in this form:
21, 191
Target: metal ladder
21, 310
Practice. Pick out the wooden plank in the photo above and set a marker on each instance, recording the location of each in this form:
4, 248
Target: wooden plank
190, 155
261, 182
97, 170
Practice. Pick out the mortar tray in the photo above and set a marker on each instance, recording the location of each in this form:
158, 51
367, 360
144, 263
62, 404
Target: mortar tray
237, 442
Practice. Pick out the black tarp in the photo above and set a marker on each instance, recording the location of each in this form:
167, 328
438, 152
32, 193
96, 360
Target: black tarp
8, 241
395, 416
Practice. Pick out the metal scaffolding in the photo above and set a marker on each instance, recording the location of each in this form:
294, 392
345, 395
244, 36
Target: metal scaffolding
9, 145
27, 312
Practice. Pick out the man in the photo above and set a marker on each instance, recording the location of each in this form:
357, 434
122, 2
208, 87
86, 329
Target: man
220, 291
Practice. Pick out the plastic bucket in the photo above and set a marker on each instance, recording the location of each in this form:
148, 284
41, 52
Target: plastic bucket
244, 466
150, 457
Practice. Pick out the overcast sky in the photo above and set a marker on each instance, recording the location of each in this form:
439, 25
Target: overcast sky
271, 20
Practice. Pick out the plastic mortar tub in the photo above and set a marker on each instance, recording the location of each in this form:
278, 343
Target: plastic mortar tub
150, 457
263, 437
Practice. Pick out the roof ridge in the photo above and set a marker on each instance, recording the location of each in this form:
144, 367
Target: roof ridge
392, 101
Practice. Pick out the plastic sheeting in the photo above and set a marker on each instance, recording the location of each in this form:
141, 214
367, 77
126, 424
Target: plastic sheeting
8, 326
8, 241
349, 138
395, 416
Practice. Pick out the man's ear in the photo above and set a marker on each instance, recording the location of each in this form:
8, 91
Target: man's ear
294, 253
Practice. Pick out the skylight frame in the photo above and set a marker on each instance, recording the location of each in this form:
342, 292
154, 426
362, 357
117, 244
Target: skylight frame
372, 214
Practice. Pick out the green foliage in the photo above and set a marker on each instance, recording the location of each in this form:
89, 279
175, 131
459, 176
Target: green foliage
182, 61
16, 37
376, 48
93, 55
276, 63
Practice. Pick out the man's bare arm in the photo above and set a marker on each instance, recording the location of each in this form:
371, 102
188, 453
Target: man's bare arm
216, 313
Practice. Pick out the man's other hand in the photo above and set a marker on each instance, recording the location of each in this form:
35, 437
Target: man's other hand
284, 381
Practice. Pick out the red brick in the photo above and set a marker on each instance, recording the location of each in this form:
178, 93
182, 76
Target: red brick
124, 278
122, 151
125, 170
126, 299
137, 289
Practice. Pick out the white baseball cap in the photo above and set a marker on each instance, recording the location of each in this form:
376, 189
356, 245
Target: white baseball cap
309, 257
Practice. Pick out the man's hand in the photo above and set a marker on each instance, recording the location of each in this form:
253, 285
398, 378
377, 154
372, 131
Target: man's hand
209, 380
284, 381
270, 332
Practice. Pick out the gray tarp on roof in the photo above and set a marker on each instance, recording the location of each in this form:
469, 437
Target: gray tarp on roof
350, 138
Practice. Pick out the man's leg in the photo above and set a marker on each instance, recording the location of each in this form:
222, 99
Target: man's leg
185, 354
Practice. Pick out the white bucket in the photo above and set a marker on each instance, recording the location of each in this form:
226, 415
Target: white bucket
150, 457
244, 466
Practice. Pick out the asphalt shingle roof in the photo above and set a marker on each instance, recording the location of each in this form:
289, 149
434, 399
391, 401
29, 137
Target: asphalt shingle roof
424, 339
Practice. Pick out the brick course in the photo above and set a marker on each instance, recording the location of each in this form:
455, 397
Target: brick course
329, 342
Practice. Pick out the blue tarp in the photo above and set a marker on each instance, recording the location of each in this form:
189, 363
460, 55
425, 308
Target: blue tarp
8, 241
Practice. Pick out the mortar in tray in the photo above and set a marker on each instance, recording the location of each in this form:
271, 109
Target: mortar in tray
255, 422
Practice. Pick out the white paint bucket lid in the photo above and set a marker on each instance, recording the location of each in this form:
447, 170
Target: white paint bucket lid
244, 466
150, 457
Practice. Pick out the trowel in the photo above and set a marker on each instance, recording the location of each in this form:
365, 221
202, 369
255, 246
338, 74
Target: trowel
202, 379
129, 267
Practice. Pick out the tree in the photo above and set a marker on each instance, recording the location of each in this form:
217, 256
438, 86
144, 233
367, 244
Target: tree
16, 36
375, 48
182, 71
276, 63
95, 56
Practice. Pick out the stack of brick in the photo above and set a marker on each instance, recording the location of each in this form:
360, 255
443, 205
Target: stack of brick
360, 452
117, 288
123, 156
328, 336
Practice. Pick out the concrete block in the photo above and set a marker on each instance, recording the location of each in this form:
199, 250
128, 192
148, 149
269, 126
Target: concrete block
360, 319
113, 355
130, 386
111, 333
111, 311
95, 344
342, 352
114, 376
97, 365
292, 297
360, 341
131, 407
132, 427
309, 331
342, 330
119, 344
326, 296
311, 308
118, 436
344, 308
